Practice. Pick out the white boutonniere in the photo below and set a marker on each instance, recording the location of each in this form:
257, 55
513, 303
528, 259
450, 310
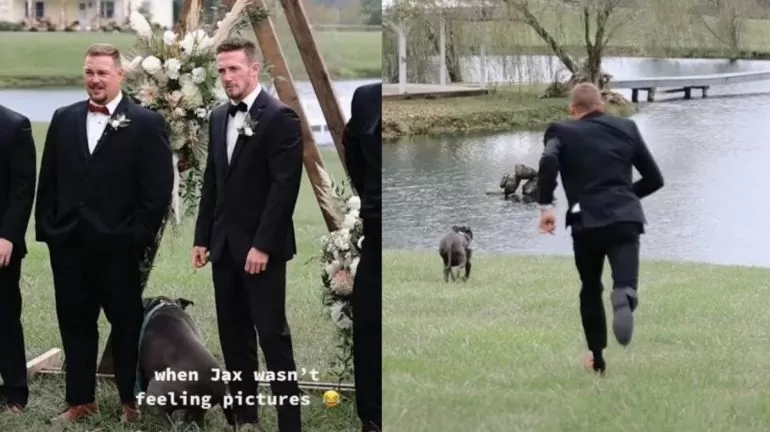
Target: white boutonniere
247, 129
119, 121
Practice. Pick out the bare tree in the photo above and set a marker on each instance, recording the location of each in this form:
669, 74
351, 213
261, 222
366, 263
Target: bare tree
725, 21
600, 20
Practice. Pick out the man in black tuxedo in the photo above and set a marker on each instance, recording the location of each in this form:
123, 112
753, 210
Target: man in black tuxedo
245, 227
595, 154
363, 157
17, 192
104, 188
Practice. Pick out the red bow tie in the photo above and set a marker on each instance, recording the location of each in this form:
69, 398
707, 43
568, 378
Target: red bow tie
98, 109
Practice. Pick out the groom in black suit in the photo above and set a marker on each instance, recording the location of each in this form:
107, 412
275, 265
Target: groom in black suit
105, 185
17, 191
363, 158
245, 228
595, 154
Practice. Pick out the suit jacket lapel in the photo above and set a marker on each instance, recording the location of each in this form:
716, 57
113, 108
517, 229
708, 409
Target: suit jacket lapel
108, 129
81, 128
254, 113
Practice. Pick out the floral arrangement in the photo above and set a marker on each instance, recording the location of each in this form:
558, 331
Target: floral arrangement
175, 75
340, 254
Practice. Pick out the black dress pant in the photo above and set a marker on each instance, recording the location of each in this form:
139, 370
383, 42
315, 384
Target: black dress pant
88, 275
367, 325
13, 361
251, 309
619, 243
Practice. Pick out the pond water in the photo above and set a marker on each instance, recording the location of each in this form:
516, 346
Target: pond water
713, 153
39, 104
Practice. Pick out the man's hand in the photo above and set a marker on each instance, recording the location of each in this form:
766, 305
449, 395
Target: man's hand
547, 222
199, 257
256, 261
6, 248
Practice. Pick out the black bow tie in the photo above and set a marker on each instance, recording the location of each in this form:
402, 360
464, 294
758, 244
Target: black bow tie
233, 109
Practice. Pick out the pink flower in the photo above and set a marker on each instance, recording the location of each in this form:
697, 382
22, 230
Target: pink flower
342, 283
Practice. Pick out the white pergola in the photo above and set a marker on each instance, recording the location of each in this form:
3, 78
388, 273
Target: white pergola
463, 10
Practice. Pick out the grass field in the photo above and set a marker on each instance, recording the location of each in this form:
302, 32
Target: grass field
508, 108
503, 352
29, 59
313, 334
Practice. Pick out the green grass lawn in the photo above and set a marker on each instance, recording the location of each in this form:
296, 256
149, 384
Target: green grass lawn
29, 59
313, 333
503, 352
506, 108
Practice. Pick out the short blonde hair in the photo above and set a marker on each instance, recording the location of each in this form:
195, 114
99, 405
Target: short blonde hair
106, 50
585, 97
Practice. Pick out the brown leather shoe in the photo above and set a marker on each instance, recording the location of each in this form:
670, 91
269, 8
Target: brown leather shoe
130, 413
77, 412
10, 409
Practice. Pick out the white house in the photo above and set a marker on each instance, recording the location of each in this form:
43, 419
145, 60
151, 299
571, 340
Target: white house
90, 14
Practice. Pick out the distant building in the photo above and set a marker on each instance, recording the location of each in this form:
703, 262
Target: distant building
89, 14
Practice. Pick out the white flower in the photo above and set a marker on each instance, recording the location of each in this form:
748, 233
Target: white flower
201, 113
135, 63
339, 317
354, 266
342, 240
199, 75
169, 38
332, 268
245, 130
354, 203
140, 25
152, 65
349, 222
360, 242
355, 213
119, 121
172, 68
191, 95
195, 41
178, 112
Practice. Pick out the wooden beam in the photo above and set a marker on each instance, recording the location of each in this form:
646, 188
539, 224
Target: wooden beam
284, 84
181, 25
316, 70
48, 360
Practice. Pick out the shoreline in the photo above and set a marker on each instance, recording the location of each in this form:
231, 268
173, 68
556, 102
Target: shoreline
71, 82
661, 53
505, 109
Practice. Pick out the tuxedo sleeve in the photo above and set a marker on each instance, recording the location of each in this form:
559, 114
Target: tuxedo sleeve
651, 178
22, 184
208, 198
284, 164
156, 180
46, 188
354, 158
549, 167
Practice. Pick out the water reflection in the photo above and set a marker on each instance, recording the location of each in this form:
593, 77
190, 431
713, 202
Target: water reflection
712, 152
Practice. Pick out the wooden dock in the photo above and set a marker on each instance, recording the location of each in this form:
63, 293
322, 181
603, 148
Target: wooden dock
431, 91
685, 84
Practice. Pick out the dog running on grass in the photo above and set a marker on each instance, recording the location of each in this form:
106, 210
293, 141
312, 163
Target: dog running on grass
455, 251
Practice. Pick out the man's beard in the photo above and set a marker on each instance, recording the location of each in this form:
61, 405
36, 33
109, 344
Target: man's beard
100, 99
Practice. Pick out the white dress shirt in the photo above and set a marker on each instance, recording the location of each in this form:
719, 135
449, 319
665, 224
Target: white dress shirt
96, 122
233, 123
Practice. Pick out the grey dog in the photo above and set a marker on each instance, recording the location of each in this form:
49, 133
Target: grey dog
455, 251
171, 342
